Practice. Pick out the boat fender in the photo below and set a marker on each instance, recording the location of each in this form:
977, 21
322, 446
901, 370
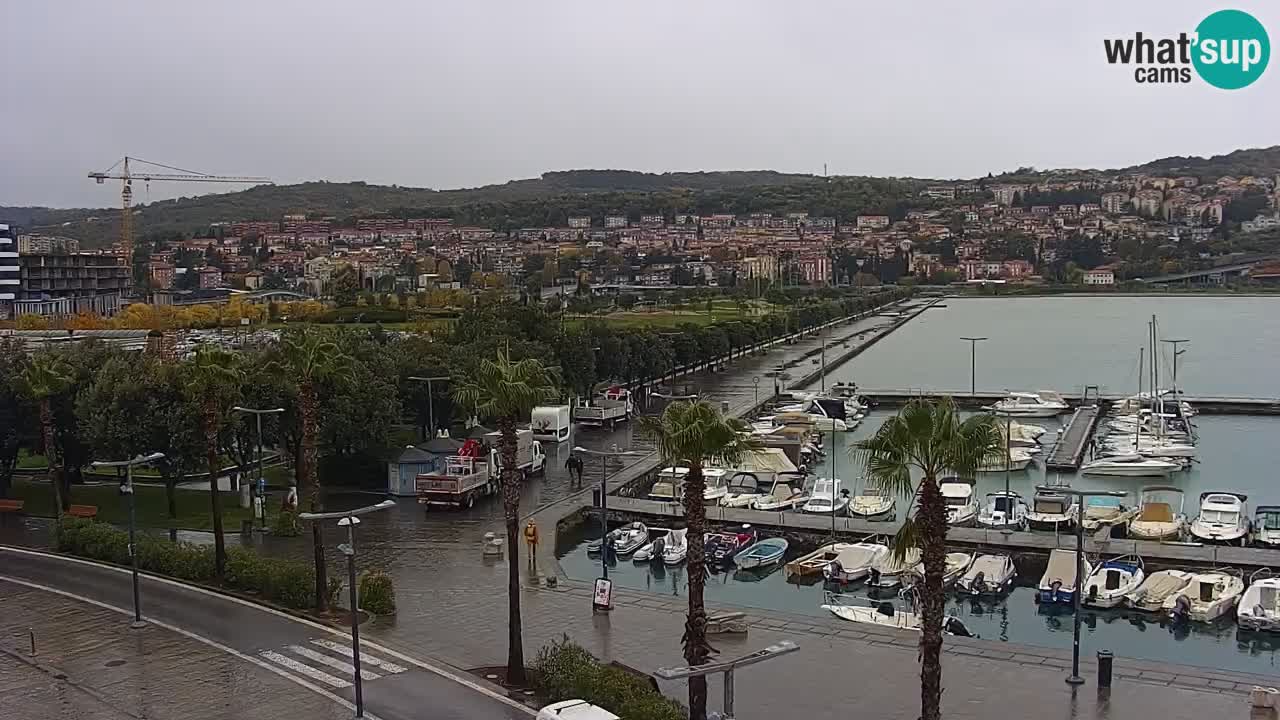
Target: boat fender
1093, 593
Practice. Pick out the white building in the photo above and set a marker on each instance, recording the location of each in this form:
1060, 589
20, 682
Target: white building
615, 221
1100, 276
9, 271
580, 222
872, 222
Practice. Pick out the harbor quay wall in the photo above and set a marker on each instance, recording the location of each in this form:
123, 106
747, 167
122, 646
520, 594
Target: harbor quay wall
981, 399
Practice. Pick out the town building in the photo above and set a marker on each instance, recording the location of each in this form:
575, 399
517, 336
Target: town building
613, 222
872, 222
764, 267
161, 274
580, 222
9, 271
37, 244
69, 283
210, 277
1100, 276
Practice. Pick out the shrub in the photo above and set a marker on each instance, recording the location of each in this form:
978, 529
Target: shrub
288, 583
377, 594
286, 525
564, 671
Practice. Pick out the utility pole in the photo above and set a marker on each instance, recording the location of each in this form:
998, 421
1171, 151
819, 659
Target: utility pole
431, 401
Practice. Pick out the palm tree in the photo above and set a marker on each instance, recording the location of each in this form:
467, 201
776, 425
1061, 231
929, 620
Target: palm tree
507, 392
212, 379
691, 434
929, 439
46, 377
308, 357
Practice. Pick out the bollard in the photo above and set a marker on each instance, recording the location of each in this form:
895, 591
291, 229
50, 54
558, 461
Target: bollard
32, 633
1104, 668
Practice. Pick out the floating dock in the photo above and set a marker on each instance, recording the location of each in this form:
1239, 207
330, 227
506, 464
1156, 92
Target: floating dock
1068, 451
1205, 405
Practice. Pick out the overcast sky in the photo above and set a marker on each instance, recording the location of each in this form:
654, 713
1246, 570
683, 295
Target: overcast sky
459, 93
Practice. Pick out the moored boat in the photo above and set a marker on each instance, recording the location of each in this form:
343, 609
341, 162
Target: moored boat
1157, 587
1131, 466
764, 553
826, 498
814, 562
1003, 511
1266, 525
1060, 579
721, 547
1260, 604
1208, 596
873, 503
853, 561
962, 505
1112, 581
676, 547
1042, 404
887, 572
1052, 511
626, 540
1157, 518
787, 493
1017, 459
1104, 510
987, 575
1224, 517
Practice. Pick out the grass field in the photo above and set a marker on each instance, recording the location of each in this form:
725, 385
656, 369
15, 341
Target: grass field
193, 506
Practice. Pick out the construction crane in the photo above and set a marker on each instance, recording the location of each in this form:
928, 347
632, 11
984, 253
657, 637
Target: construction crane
128, 174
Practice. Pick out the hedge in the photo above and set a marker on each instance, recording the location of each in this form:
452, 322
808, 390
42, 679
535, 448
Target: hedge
565, 671
285, 582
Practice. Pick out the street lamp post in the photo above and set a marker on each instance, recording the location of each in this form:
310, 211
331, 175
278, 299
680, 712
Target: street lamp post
133, 546
1008, 470
604, 456
755, 382
1080, 495
431, 405
349, 519
973, 363
262, 482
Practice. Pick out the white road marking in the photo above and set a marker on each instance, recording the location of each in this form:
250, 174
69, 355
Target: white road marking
364, 658
187, 633
429, 667
333, 662
307, 670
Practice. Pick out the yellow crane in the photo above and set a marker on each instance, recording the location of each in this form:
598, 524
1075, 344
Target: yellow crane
128, 174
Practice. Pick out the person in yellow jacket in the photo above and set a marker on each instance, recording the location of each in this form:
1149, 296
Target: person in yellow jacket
531, 540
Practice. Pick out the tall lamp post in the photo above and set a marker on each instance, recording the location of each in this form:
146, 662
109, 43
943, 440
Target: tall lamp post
431, 404
973, 363
262, 482
349, 519
133, 546
604, 456
1080, 495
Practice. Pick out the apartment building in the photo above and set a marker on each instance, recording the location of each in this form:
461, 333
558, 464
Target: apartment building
37, 244
580, 222
1114, 202
68, 283
760, 266
614, 222
872, 222
9, 271
161, 274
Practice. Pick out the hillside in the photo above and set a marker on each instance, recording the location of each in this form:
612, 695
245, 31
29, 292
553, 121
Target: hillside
1255, 161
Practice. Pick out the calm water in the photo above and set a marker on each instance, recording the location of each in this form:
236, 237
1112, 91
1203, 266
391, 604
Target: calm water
1066, 343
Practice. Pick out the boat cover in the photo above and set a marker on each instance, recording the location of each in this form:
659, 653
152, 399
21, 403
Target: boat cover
1156, 512
1161, 585
1062, 568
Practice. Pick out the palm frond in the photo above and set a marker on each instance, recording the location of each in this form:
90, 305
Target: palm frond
910, 536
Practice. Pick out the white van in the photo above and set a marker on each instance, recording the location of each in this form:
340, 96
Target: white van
551, 422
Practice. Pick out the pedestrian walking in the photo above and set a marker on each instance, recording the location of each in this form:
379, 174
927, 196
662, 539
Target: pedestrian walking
531, 541
574, 466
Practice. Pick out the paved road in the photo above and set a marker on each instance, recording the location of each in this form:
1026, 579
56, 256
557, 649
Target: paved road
397, 687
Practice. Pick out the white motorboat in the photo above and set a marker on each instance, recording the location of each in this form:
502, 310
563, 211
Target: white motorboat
1018, 459
1266, 525
1041, 404
819, 423
717, 484
1208, 596
1157, 518
1153, 448
741, 490
1003, 511
1151, 593
1260, 604
888, 571
1052, 511
1103, 510
987, 575
788, 492
627, 539
962, 504
873, 503
1060, 579
653, 550
827, 498
853, 562
1224, 517
957, 563
884, 613
676, 547
1112, 581
1023, 436
1130, 466
668, 485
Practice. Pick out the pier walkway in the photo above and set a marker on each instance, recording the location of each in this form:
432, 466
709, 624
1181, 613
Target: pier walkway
1206, 405
1068, 450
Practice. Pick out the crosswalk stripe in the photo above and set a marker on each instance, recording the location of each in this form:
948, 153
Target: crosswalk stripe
333, 662
307, 670
364, 656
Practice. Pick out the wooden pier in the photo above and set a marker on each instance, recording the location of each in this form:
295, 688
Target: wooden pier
1068, 450
851, 529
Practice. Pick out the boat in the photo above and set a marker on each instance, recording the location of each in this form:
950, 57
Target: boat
1052, 511
722, 546
676, 547
1224, 517
741, 490
827, 498
1150, 448
853, 561
1151, 593
1208, 596
1018, 459
1260, 604
653, 550
1041, 404
762, 554
888, 571
1111, 582
1003, 511
1016, 434
626, 540
1060, 579
873, 503
717, 484
667, 487
957, 563
962, 505
882, 613
1156, 518
1103, 510
1132, 465
787, 492
987, 575
816, 422
1266, 525
814, 562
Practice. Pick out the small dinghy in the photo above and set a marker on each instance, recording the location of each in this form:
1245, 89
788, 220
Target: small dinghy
627, 539
1112, 581
676, 547
1151, 593
988, 575
1059, 582
1260, 605
764, 553
957, 563
813, 563
887, 571
1208, 596
853, 562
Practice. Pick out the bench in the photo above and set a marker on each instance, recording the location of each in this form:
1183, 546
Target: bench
83, 511
11, 506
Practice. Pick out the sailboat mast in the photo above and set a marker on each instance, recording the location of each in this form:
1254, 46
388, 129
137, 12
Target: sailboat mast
1137, 424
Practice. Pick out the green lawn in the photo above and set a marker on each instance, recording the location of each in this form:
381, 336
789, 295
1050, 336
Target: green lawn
31, 462
152, 511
